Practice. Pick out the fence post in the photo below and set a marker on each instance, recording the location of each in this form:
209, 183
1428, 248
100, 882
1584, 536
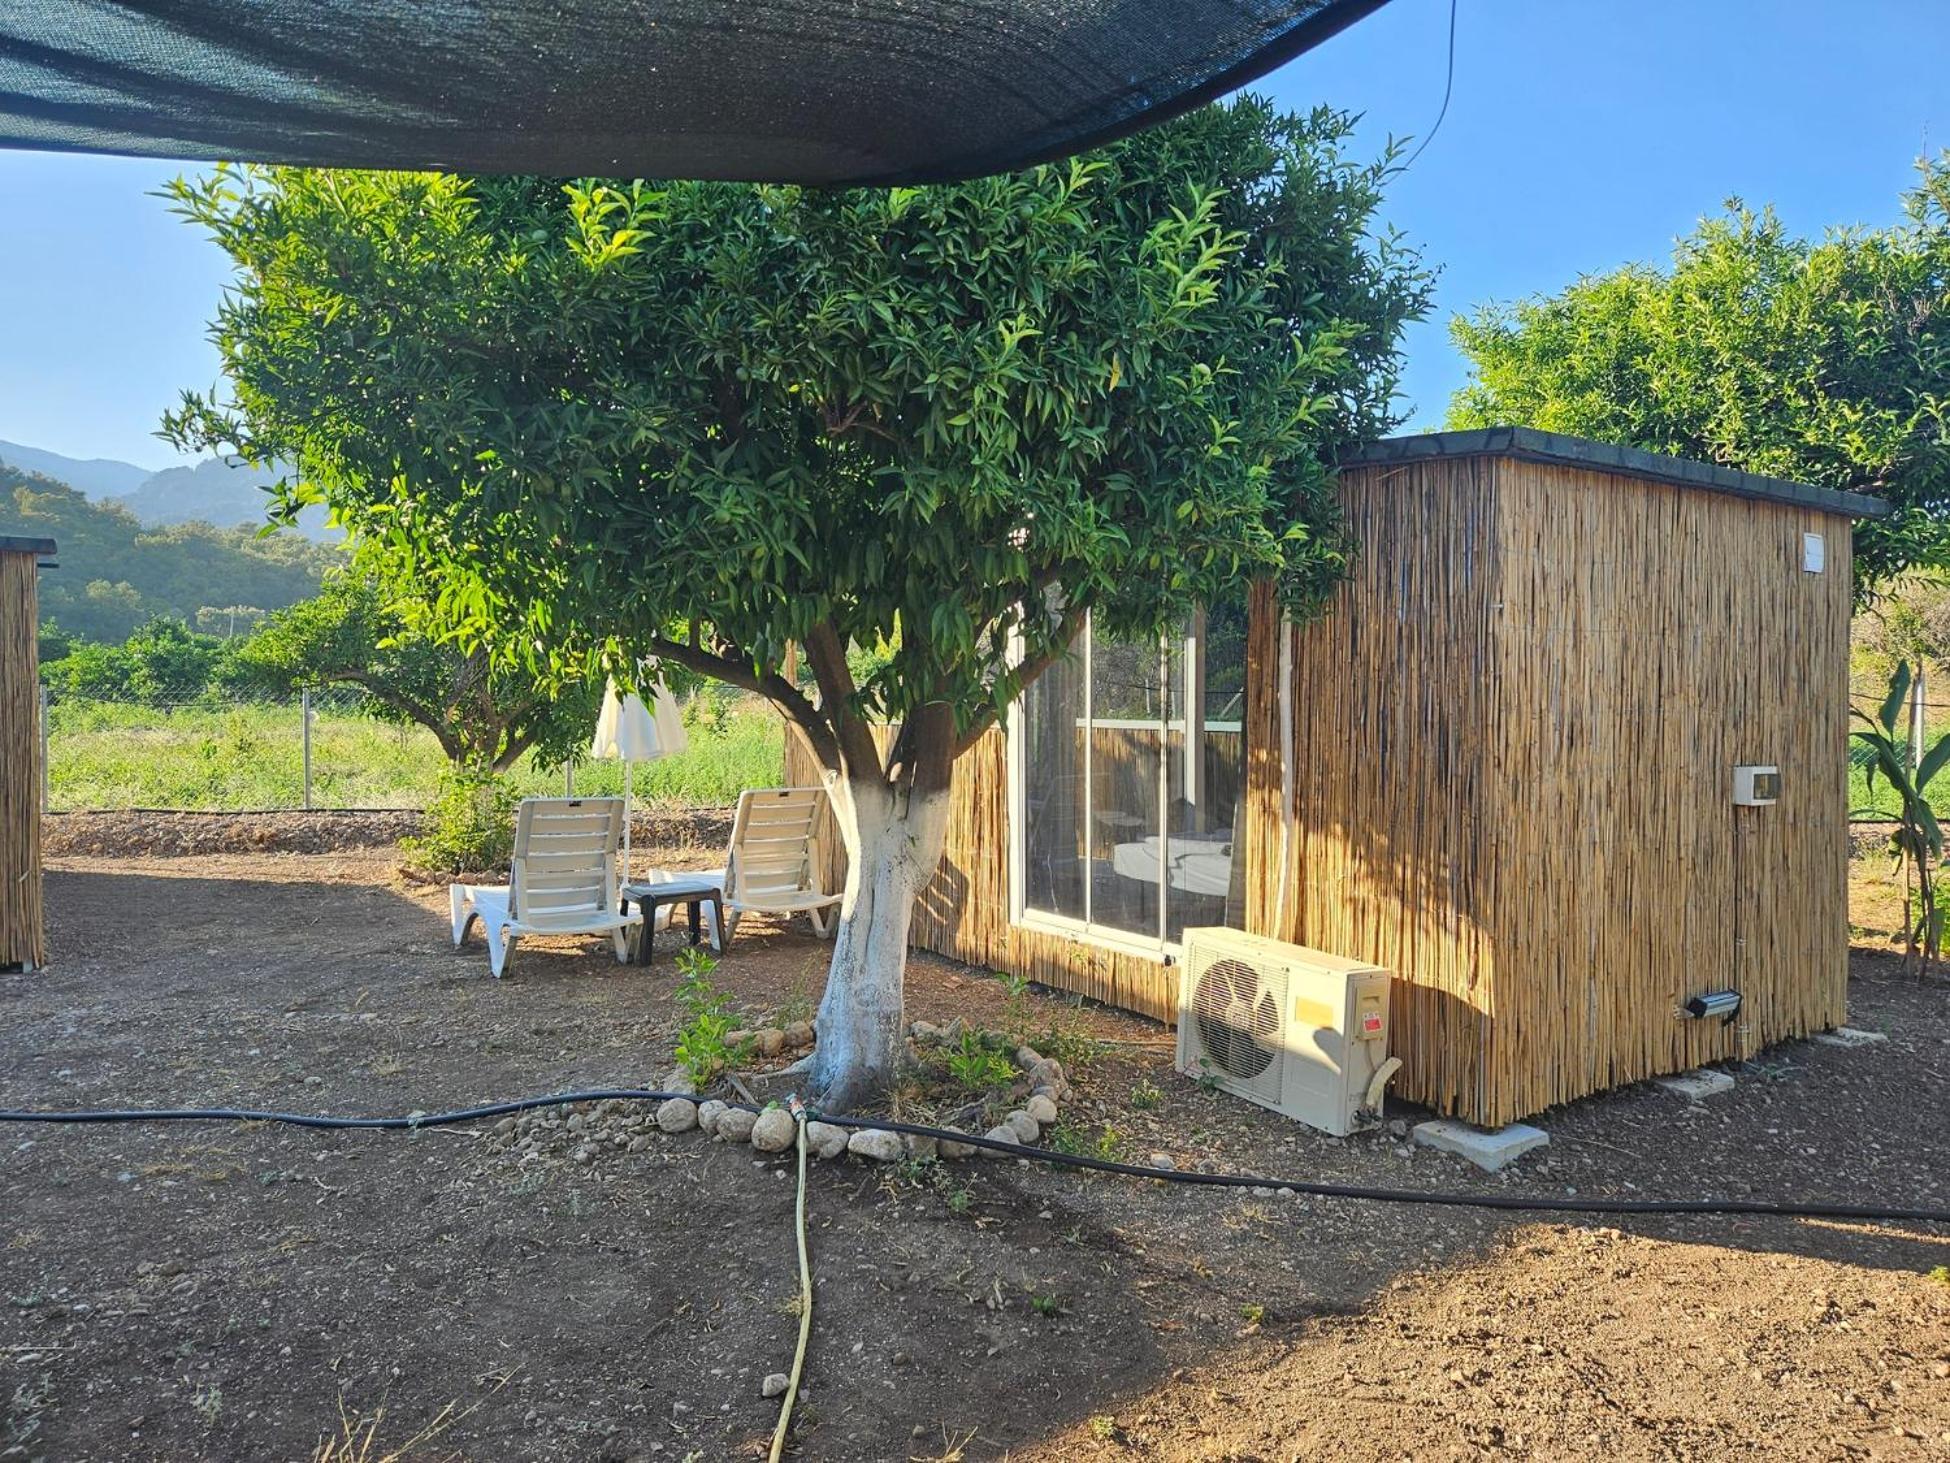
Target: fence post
568, 779
45, 783
304, 713
1916, 719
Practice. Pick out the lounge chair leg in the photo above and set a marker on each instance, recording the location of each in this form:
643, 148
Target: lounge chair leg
457, 906
501, 945
620, 938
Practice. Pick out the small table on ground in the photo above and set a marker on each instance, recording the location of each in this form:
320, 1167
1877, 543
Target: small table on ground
695, 892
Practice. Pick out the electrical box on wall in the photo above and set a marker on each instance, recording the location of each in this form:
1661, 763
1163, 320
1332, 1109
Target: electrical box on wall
1814, 553
1756, 787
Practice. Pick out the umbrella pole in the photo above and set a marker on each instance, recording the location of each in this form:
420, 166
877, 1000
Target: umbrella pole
628, 767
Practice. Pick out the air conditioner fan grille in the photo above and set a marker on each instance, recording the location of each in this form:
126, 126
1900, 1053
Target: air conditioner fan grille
1238, 1019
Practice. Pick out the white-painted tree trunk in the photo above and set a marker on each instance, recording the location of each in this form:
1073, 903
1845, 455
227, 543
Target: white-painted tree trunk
893, 844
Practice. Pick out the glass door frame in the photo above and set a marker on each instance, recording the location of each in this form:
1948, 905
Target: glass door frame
1191, 722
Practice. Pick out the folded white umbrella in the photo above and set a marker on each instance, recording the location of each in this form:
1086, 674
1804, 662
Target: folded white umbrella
637, 731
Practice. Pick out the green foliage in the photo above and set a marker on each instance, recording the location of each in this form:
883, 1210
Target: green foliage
702, 1046
363, 630
216, 755
163, 663
1825, 362
116, 575
976, 1065
1145, 1096
469, 827
912, 417
1917, 842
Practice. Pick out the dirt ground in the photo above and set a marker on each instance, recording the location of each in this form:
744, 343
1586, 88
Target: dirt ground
231, 1291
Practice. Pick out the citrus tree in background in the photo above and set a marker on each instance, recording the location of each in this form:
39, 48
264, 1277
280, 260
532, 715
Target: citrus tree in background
945, 422
485, 713
1825, 362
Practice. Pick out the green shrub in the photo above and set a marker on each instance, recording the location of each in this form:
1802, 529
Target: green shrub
978, 1067
469, 826
703, 1046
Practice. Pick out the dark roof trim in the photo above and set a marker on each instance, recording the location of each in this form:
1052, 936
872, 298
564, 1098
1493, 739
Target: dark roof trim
1530, 445
10, 545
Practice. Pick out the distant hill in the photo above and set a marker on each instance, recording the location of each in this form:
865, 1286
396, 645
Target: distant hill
225, 493
98, 477
219, 491
115, 574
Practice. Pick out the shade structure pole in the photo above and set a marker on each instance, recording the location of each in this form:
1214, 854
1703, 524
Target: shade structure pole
628, 767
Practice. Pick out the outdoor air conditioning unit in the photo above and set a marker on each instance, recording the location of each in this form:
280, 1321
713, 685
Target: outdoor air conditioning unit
1302, 1032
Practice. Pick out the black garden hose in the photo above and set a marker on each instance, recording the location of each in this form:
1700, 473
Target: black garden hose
1784, 1209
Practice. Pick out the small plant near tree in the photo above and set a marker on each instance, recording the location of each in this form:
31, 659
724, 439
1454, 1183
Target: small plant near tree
703, 1046
1916, 844
1103, 1427
977, 1067
469, 827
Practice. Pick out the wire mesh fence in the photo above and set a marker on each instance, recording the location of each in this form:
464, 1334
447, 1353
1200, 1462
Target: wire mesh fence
335, 750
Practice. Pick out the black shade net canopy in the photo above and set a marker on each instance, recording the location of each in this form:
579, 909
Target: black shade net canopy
801, 91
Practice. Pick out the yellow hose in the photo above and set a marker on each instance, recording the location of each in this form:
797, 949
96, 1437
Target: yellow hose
805, 1301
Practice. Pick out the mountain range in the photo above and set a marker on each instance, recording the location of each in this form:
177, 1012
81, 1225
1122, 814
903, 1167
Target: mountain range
219, 491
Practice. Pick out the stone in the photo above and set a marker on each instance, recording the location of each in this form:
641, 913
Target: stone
919, 1145
1028, 1058
774, 1385
1850, 1037
1164, 1161
735, 1039
1696, 1086
1026, 1128
773, 1131
952, 1149
826, 1140
680, 1081
708, 1114
1488, 1151
771, 1041
924, 1031
1042, 1109
799, 1035
506, 1125
639, 1145
955, 1029
877, 1144
677, 1115
1002, 1133
735, 1124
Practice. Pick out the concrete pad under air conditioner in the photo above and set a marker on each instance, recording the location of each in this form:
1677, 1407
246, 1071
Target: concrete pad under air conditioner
1488, 1150
1697, 1085
1848, 1036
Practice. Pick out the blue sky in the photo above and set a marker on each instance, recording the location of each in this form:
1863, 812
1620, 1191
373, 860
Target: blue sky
1582, 133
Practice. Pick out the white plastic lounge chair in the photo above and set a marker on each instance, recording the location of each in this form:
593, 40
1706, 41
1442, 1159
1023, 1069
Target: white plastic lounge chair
769, 866
563, 881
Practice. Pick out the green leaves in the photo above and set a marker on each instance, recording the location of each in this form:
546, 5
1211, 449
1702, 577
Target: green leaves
577, 415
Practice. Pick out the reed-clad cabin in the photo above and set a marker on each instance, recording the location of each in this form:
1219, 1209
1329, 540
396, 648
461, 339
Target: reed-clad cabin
1503, 765
23, 939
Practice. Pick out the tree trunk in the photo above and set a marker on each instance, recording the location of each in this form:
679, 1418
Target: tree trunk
893, 842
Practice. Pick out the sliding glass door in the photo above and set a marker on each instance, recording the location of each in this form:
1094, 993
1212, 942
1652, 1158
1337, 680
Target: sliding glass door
1129, 764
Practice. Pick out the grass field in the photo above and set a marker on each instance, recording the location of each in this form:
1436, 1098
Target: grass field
217, 758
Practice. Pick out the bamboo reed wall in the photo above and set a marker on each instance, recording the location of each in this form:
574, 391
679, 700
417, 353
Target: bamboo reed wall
1514, 742
1512, 747
23, 940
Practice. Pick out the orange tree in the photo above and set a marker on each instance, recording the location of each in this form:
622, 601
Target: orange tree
701, 422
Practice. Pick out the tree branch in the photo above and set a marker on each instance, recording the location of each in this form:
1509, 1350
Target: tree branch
773, 687
1029, 671
827, 656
